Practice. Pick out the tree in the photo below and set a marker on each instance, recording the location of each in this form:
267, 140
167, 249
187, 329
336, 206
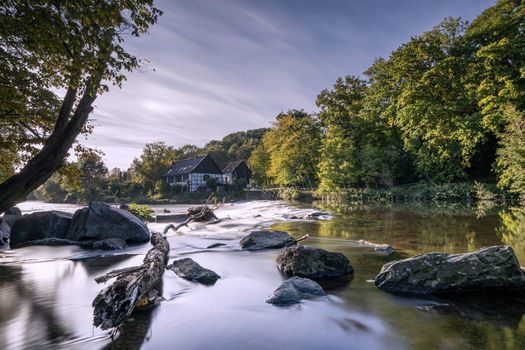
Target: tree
259, 163
154, 161
92, 182
511, 154
293, 148
46, 46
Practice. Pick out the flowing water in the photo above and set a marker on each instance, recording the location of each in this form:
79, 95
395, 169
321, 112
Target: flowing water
46, 292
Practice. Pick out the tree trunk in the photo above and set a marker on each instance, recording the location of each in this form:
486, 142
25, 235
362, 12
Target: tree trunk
134, 286
51, 157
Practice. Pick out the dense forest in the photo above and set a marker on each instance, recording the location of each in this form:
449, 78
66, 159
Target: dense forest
448, 106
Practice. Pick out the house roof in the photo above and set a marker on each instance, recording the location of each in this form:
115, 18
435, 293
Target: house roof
184, 166
230, 167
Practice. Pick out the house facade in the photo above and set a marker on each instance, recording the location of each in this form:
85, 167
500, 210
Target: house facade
193, 173
236, 170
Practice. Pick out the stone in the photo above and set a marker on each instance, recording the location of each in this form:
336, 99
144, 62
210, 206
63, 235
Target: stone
266, 240
295, 289
378, 247
190, 270
13, 211
313, 263
215, 245
110, 244
40, 225
489, 268
100, 221
5, 232
11, 215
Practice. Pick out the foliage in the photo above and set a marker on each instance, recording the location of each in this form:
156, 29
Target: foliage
293, 149
511, 154
259, 164
50, 46
142, 211
154, 161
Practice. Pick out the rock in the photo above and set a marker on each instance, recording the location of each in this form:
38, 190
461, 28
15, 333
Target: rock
13, 211
215, 245
266, 239
378, 247
295, 289
313, 263
317, 215
11, 215
434, 273
40, 225
110, 244
5, 231
100, 221
124, 207
188, 269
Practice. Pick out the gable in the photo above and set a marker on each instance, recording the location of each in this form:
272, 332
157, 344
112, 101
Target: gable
207, 166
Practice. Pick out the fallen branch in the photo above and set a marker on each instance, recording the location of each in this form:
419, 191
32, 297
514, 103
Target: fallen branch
201, 213
135, 286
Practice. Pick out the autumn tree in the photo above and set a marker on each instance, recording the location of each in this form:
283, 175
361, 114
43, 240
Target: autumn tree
154, 161
50, 46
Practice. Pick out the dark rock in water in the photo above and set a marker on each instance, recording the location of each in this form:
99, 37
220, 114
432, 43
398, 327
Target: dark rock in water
313, 263
110, 244
433, 273
40, 225
100, 221
11, 215
316, 215
124, 207
13, 211
215, 245
266, 239
188, 269
295, 289
378, 247
5, 231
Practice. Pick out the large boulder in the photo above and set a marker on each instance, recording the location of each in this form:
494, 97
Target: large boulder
266, 239
314, 263
190, 270
110, 244
100, 221
294, 290
434, 273
40, 225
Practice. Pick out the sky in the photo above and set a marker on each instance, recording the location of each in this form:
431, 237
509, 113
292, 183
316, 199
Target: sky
220, 66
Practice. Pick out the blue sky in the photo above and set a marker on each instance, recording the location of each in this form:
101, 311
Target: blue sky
219, 66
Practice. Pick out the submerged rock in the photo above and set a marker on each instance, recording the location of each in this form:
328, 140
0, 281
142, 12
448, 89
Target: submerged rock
110, 244
39, 226
378, 247
100, 221
215, 245
314, 263
295, 289
433, 273
266, 239
188, 269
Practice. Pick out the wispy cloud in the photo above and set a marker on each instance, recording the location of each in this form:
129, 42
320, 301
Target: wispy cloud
223, 66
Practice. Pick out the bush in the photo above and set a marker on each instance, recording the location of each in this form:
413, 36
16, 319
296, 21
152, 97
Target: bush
142, 211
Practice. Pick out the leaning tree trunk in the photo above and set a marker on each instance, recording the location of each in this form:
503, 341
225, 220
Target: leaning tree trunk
51, 157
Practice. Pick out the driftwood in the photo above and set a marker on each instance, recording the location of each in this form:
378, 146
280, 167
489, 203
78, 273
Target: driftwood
134, 287
201, 213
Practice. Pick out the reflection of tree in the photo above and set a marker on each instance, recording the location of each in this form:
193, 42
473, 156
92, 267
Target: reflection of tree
512, 229
133, 332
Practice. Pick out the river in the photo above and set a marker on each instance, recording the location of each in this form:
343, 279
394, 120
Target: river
46, 292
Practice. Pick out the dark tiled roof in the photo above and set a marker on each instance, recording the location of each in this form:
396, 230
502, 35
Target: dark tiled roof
230, 167
184, 166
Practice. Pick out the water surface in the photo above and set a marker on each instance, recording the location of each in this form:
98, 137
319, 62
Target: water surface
46, 292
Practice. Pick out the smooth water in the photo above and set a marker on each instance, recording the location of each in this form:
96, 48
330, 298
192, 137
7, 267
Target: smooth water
46, 292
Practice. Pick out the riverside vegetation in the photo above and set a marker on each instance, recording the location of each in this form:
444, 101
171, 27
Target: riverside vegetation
441, 118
